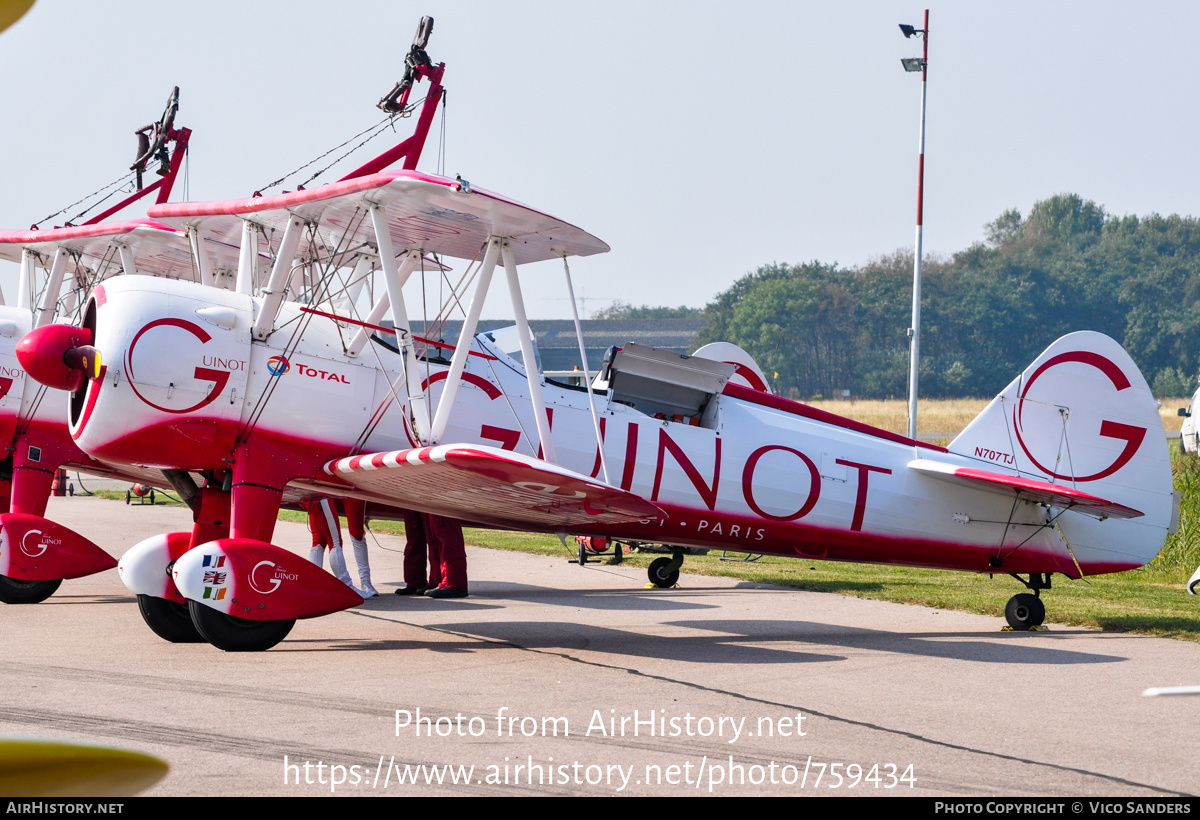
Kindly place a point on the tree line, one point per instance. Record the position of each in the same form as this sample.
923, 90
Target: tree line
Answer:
819, 329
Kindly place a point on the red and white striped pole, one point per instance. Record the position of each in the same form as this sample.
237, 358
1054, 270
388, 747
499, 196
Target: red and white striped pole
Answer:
914, 332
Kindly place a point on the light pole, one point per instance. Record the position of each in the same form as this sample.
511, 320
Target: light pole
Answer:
914, 332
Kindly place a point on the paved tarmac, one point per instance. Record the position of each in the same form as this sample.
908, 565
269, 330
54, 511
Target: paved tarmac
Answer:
559, 680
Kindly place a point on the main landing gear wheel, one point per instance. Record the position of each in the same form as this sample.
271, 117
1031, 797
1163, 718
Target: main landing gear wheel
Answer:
13, 591
168, 620
661, 575
1024, 612
237, 634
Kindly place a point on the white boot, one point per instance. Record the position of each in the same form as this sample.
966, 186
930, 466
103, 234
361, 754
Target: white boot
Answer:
364, 568
316, 555
1193, 581
337, 564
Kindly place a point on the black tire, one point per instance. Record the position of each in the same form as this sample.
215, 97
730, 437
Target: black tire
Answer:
13, 591
237, 634
168, 620
582, 553
659, 575
1024, 612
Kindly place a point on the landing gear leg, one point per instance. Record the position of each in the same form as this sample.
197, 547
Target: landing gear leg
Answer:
28, 492
1024, 611
664, 572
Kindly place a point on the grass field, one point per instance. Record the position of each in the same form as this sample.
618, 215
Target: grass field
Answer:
1150, 600
948, 415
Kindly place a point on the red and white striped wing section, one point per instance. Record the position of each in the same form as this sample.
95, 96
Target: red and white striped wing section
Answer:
426, 212
158, 249
1030, 489
491, 486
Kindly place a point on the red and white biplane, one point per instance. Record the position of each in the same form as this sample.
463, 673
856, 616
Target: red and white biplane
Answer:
58, 268
297, 384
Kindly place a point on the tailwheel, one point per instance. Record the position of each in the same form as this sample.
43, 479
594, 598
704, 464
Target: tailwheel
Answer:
168, 620
664, 572
237, 634
1024, 612
13, 591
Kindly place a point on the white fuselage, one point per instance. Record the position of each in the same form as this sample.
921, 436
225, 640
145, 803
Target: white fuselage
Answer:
184, 386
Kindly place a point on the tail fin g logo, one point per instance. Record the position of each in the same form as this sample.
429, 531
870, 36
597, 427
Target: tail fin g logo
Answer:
1130, 434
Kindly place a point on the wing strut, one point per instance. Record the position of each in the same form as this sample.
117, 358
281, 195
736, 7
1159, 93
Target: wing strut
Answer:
587, 374
394, 279
497, 246
200, 254
53, 287
466, 337
281, 274
247, 258
128, 265
364, 333
526, 338
25, 288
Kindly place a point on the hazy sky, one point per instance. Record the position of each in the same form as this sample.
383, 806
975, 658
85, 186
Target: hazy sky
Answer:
699, 140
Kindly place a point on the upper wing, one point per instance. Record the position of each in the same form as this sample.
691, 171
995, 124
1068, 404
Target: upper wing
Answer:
432, 213
490, 486
1028, 488
158, 249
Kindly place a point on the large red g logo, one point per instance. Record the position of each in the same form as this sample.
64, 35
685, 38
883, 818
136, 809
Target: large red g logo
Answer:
218, 377
1131, 435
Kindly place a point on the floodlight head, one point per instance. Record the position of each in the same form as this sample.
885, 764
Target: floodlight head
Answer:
912, 63
907, 31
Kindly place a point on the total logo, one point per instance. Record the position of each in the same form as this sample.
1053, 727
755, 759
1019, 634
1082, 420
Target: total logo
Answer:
279, 365
40, 545
271, 577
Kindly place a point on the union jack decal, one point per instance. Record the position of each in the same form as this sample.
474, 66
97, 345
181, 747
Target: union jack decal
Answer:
211, 576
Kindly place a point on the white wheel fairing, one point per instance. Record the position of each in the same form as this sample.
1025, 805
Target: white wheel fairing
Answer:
143, 567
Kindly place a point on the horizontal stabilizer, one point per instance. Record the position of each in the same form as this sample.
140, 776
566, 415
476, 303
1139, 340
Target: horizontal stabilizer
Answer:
1028, 488
490, 486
